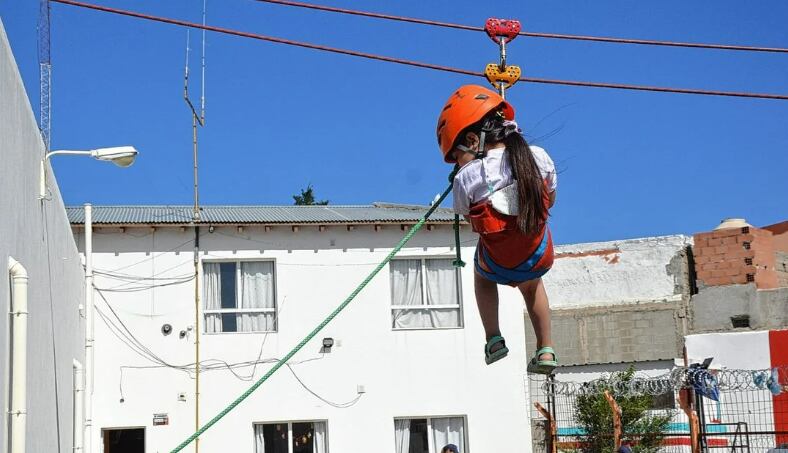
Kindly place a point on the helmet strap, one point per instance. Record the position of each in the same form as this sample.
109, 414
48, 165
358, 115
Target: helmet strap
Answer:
480, 153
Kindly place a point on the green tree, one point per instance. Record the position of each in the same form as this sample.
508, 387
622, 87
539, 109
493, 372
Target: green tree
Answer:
593, 414
307, 198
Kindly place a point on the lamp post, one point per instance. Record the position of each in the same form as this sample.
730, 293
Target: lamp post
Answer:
122, 156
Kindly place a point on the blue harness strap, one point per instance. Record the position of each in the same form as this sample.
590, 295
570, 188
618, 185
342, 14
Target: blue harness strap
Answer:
523, 272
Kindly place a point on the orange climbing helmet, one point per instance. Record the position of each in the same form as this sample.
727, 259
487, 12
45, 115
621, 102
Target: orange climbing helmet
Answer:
466, 106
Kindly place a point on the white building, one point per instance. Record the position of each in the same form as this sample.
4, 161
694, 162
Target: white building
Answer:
401, 373
42, 339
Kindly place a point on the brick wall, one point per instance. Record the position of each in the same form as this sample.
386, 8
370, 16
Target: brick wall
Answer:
735, 256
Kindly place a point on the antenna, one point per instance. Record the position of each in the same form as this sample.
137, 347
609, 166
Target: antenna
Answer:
45, 73
197, 120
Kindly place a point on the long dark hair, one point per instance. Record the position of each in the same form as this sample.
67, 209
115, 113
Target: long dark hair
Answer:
530, 185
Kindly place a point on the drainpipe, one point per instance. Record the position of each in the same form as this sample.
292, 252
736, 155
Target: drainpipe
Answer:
88, 440
18, 410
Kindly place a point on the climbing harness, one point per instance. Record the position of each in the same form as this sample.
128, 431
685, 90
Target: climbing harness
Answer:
283, 361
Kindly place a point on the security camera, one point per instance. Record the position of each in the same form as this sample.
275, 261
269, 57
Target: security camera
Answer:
166, 329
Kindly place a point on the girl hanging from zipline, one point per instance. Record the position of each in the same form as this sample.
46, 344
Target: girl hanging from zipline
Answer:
504, 188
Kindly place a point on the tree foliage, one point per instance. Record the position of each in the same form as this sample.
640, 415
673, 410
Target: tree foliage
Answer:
593, 414
307, 198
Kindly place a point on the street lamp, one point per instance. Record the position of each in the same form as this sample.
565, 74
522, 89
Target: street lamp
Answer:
122, 156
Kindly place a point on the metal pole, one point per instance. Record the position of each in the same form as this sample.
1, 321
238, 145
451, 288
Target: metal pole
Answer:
89, 326
196, 220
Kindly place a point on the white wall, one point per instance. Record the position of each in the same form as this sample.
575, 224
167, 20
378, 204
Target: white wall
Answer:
39, 237
615, 272
733, 350
406, 373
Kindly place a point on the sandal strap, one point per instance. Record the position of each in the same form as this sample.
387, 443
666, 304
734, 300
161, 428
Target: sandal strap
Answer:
493, 341
546, 350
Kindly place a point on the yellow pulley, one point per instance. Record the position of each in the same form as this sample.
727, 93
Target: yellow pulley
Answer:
499, 78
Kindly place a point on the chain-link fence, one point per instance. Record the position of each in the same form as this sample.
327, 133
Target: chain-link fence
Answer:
692, 410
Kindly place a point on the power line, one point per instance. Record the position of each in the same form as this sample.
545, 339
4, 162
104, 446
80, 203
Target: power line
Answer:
530, 34
416, 63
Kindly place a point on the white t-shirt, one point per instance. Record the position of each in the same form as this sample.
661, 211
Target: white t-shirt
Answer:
478, 179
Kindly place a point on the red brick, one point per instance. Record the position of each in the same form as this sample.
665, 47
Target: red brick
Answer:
718, 273
729, 240
717, 281
739, 279
761, 233
745, 238
701, 259
766, 280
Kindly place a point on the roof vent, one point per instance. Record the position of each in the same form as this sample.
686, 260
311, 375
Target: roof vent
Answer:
732, 223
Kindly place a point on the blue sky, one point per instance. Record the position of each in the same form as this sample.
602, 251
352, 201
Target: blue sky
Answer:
632, 164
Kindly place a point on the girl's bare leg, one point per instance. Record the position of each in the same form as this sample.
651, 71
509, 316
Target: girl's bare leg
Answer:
487, 301
539, 312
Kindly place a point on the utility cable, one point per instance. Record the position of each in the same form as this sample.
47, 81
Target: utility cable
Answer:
417, 63
529, 34
323, 323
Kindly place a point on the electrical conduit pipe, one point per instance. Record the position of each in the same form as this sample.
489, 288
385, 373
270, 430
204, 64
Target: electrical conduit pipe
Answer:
18, 410
89, 326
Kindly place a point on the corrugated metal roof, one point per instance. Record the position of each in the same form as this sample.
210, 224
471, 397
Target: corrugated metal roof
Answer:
180, 215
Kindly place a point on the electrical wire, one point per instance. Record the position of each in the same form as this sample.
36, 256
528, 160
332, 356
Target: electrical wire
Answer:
529, 34
127, 337
228, 31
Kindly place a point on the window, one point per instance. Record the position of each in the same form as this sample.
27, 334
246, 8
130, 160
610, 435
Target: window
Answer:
239, 296
123, 440
425, 294
291, 437
428, 435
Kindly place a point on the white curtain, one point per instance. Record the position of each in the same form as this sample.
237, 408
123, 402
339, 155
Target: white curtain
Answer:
406, 290
259, 439
402, 435
448, 431
319, 444
257, 291
442, 289
212, 296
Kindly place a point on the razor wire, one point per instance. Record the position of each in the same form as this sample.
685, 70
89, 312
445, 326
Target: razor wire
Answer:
680, 378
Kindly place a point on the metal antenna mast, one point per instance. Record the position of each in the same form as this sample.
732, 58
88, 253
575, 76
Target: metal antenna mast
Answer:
45, 72
197, 120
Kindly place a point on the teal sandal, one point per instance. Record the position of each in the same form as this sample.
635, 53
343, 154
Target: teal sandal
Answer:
498, 354
543, 366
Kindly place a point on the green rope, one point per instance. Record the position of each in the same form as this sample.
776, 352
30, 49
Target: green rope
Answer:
458, 262
320, 326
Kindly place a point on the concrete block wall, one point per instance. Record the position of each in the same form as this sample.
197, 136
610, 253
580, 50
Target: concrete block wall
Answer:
736, 256
624, 333
715, 308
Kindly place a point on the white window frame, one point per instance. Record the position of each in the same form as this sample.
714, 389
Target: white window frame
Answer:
459, 304
430, 436
238, 262
290, 431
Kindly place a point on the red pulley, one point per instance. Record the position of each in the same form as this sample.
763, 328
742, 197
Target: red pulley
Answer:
502, 28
